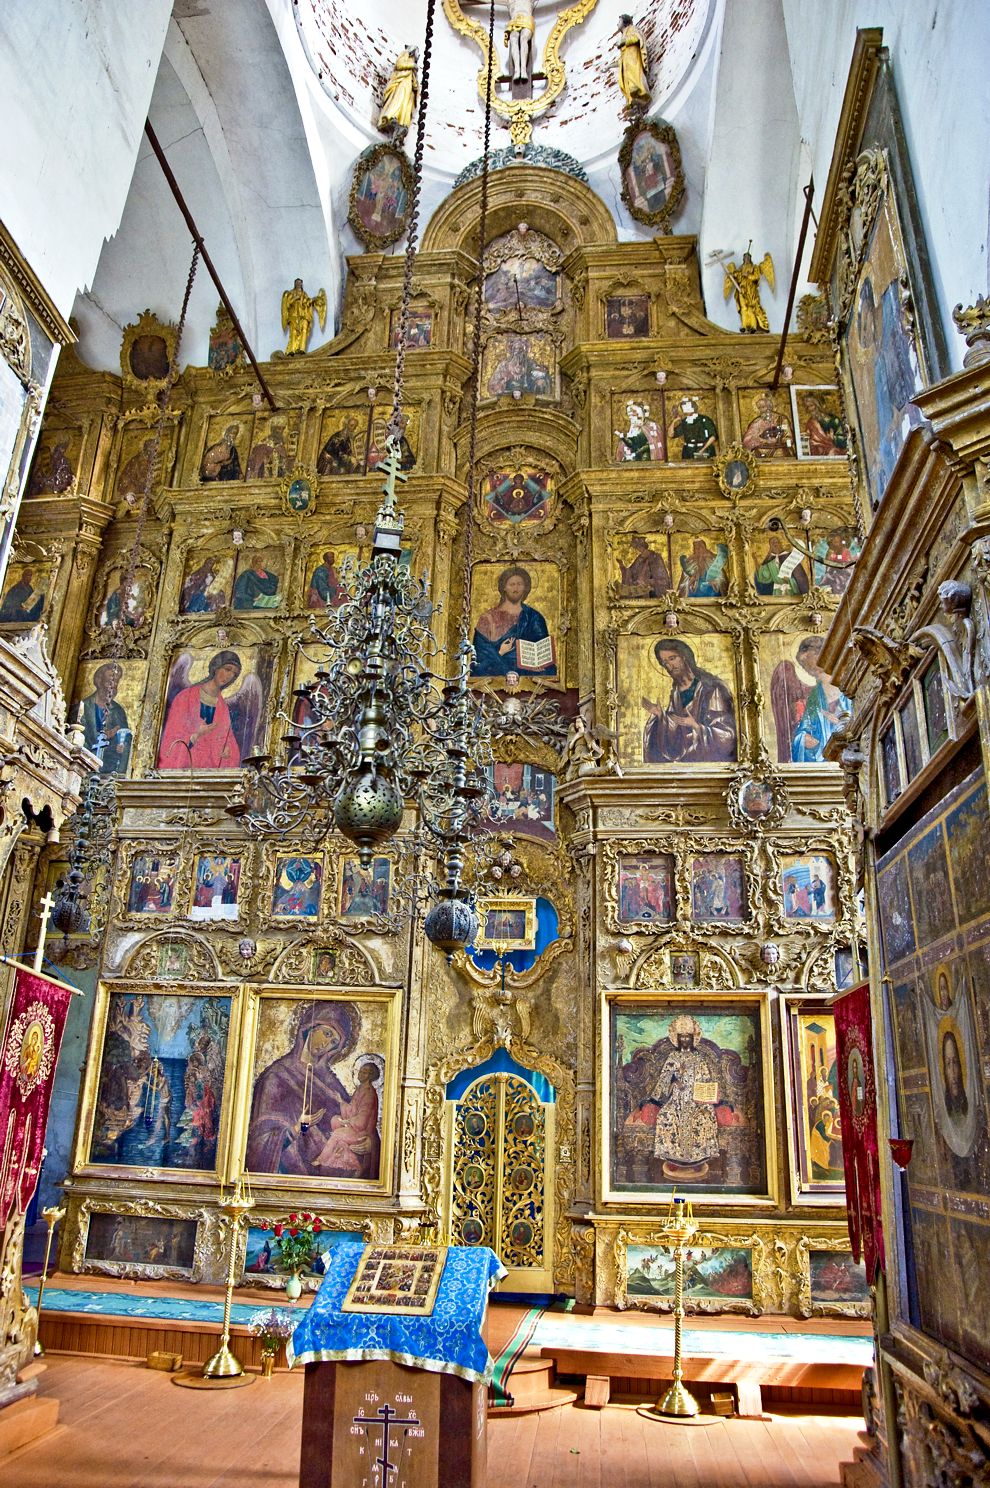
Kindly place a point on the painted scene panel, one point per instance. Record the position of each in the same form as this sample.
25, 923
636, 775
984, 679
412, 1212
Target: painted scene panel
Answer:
767, 429
638, 428
110, 698
687, 1099
642, 565
135, 1240
820, 423
712, 1273
215, 706
259, 579
807, 882
353, 440
216, 881
646, 889
381, 198
816, 1090
700, 564
524, 801
518, 495
207, 582
942, 1049
262, 1253
836, 1277
804, 708
419, 328
677, 704
692, 430
522, 281
151, 890
882, 355
228, 441
835, 550
111, 608
160, 1094
25, 593
318, 1089
718, 889
627, 317
519, 362
364, 891
297, 887
55, 460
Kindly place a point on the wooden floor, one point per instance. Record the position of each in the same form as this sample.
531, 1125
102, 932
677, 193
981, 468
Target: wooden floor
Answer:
125, 1426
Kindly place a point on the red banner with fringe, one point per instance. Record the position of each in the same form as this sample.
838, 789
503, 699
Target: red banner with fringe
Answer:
28, 1056
858, 1109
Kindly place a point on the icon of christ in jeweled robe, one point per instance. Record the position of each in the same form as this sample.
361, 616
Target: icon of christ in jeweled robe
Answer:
686, 1092
698, 723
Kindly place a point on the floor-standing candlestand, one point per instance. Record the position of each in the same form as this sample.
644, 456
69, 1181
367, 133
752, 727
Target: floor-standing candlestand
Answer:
51, 1216
224, 1367
678, 1404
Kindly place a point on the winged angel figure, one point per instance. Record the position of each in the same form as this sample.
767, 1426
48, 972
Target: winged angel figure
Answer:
744, 283
522, 107
297, 316
203, 730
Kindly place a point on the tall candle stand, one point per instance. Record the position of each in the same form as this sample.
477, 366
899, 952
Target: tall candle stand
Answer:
678, 1404
51, 1216
224, 1368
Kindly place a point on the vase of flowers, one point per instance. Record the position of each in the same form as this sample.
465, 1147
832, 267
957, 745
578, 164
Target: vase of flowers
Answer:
272, 1326
296, 1241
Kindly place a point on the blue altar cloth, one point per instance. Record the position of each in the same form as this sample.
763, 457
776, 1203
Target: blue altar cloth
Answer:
449, 1341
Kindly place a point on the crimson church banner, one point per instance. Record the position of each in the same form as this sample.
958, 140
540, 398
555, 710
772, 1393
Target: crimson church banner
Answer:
858, 1109
28, 1056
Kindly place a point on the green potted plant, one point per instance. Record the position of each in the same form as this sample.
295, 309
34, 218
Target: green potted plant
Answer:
296, 1241
272, 1326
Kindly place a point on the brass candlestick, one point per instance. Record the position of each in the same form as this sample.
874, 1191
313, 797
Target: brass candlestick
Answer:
51, 1216
678, 1404
224, 1365
224, 1368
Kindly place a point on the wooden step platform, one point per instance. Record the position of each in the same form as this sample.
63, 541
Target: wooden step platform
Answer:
533, 1388
112, 1336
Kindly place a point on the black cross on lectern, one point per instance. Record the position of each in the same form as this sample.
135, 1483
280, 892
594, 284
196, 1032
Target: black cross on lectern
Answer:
386, 1420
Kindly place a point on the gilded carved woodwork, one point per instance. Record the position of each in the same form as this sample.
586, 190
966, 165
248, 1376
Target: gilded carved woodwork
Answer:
574, 541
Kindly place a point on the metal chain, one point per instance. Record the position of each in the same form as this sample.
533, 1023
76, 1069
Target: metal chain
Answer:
476, 348
395, 422
127, 582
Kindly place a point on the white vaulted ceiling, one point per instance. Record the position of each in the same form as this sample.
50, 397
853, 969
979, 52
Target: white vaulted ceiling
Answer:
350, 49
264, 106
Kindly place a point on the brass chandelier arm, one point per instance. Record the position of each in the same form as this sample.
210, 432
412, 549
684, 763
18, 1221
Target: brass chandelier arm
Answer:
777, 524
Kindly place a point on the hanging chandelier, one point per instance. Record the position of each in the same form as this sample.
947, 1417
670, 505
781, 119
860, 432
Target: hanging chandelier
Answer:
387, 724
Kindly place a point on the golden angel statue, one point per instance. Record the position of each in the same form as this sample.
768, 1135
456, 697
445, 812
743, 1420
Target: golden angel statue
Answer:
633, 75
744, 283
399, 99
297, 316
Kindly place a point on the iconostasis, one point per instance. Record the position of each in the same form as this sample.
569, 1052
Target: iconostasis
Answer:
659, 534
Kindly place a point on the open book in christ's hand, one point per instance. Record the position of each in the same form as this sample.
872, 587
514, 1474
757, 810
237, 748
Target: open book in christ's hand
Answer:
534, 656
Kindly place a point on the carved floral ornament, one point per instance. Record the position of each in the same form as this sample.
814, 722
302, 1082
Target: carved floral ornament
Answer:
861, 195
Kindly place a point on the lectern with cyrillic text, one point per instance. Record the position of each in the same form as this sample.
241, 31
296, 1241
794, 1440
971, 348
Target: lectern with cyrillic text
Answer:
397, 1369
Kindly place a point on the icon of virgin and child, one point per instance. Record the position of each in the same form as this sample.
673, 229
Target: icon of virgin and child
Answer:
202, 730
513, 636
304, 1120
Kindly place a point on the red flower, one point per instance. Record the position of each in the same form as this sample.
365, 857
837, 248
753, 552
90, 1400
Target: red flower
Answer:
317, 1227
265, 1224
293, 1232
279, 1230
293, 1218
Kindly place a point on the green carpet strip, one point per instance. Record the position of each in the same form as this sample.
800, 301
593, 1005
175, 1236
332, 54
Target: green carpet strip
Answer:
510, 1356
